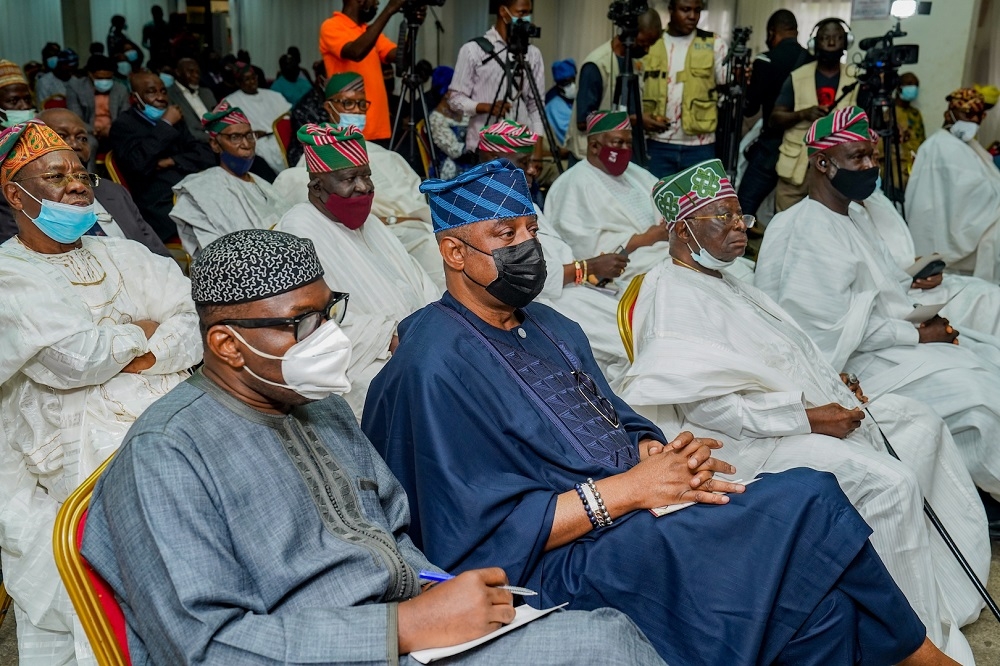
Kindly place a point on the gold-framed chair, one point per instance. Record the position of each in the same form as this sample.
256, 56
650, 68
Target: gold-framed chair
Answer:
626, 307
423, 145
6, 601
113, 171
282, 128
92, 598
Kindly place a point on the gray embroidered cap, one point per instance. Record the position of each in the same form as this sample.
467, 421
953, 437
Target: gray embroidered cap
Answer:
252, 264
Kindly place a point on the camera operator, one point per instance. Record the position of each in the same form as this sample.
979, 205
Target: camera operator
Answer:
599, 78
770, 69
808, 94
352, 41
681, 74
481, 69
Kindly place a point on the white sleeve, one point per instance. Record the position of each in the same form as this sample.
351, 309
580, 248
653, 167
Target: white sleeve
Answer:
751, 415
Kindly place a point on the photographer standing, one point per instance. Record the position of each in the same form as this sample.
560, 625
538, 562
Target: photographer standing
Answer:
352, 41
485, 65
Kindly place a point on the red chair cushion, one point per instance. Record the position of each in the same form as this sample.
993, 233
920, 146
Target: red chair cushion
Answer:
283, 128
106, 597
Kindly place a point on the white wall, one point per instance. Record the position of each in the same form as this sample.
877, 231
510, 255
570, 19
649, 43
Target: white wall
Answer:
25, 27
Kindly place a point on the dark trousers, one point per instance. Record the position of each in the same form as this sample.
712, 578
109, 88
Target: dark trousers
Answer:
760, 178
666, 159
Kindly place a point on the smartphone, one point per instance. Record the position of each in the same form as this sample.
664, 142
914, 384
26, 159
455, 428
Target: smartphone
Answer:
619, 250
936, 267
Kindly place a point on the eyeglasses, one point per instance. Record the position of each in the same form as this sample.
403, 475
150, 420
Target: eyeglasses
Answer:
351, 104
588, 389
246, 137
61, 180
305, 324
731, 218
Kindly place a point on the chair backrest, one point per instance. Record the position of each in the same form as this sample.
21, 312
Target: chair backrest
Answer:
92, 598
113, 170
282, 128
57, 101
626, 307
423, 141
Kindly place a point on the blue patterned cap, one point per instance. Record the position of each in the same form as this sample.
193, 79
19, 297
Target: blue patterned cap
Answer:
492, 191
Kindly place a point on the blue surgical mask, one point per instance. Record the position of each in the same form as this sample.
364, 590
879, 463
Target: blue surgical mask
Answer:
238, 165
17, 116
152, 112
704, 258
51, 62
61, 222
909, 93
104, 85
124, 67
356, 119
167, 80
132, 55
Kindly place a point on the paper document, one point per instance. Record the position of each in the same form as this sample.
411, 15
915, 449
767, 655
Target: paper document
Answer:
664, 510
922, 313
522, 615
922, 262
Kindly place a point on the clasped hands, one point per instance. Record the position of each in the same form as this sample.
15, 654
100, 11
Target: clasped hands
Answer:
681, 471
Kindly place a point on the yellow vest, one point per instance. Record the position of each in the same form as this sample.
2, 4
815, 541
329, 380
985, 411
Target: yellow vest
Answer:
699, 100
606, 61
793, 159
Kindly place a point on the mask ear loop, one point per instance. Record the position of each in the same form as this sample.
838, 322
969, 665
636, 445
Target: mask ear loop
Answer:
33, 199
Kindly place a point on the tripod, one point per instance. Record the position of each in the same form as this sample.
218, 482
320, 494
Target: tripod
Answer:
627, 94
730, 126
411, 95
515, 69
883, 119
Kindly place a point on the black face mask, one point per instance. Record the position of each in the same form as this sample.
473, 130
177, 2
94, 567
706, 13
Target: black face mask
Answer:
828, 58
520, 273
855, 185
368, 14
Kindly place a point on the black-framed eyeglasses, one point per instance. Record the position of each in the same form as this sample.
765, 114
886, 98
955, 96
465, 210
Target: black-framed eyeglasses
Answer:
588, 389
61, 180
351, 104
236, 138
731, 218
305, 324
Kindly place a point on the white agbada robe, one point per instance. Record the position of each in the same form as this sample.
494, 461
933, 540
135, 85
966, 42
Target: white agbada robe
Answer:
397, 192
833, 275
972, 302
65, 405
214, 203
262, 110
953, 205
597, 213
386, 285
595, 310
720, 358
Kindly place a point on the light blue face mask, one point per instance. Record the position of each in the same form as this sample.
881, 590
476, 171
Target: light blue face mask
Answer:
167, 79
356, 119
124, 67
704, 258
909, 93
17, 116
153, 113
104, 85
51, 62
63, 223
132, 55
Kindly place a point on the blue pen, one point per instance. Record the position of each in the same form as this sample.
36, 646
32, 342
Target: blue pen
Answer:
436, 577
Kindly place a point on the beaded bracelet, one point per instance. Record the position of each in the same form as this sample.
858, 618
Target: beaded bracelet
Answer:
586, 273
603, 516
586, 506
579, 272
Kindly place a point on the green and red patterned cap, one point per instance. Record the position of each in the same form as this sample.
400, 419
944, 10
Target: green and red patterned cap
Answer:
682, 195
330, 148
508, 137
222, 116
846, 125
344, 82
607, 121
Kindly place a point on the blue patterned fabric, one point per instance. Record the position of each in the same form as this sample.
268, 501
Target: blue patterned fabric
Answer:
492, 191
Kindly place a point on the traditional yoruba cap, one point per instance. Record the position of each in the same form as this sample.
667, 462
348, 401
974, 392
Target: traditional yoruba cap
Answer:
563, 69
23, 143
222, 116
242, 68
968, 100
846, 125
507, 136
252, 264
441, 79
330, 148
10, 74
344, 82
494, 190
607, 121
991, 94
681, 195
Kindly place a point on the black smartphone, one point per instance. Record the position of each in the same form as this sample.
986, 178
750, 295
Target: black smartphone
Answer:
936, 267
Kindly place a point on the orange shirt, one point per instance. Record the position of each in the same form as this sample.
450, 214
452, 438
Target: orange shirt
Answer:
340, 30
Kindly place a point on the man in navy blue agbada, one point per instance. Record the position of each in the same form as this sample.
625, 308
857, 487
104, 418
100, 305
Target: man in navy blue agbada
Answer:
514, 451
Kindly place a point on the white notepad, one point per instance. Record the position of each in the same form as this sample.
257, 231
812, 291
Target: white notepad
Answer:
922, 313
523, 615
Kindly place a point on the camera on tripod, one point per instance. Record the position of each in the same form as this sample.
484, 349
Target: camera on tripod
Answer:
519, 35
625, 13
411, 7
878, 71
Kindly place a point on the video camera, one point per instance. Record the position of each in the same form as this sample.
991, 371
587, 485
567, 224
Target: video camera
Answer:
880, 52
519, 34
411, 7
625, 13
878, 71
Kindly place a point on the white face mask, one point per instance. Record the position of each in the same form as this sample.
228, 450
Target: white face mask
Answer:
965, 130
569, 92
15, 116
315, 367
704, 258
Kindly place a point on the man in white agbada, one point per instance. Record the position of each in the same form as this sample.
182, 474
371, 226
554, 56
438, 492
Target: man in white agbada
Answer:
570, 285
262, 107
228, 197
953, 195
93, 330
718, 357
829, 270
602, 204
359, 254
398, 201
